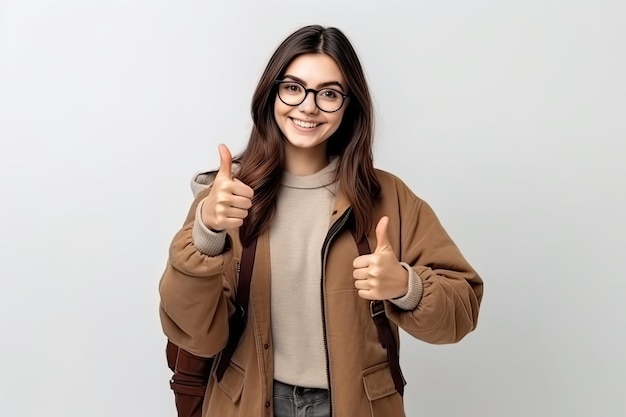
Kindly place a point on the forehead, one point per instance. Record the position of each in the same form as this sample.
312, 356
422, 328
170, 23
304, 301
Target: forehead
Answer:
315, 69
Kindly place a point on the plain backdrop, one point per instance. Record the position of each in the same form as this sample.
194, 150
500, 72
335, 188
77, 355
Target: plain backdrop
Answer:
508, 117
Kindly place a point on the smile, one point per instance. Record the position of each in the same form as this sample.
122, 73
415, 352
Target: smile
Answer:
305, 125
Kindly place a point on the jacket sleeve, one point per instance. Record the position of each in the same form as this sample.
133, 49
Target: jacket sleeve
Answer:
452, 290
196, 293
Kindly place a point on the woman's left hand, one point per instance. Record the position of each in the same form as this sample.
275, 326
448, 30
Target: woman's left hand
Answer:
379, 275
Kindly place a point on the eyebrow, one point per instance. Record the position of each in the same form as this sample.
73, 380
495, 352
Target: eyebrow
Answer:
322, 85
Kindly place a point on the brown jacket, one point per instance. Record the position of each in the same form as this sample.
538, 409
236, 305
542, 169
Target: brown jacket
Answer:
197, 291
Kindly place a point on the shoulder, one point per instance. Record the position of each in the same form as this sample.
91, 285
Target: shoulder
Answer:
392, 184
387, 177
203, 180
397, 197
387, 180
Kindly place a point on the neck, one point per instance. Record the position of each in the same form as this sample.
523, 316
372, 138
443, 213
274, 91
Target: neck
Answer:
304, 161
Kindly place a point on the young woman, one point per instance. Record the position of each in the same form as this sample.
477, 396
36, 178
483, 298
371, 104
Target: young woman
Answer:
344, 254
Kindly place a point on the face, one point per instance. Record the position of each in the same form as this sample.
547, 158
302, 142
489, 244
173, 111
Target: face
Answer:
306, 127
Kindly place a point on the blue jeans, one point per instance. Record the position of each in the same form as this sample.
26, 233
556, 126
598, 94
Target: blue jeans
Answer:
290, 401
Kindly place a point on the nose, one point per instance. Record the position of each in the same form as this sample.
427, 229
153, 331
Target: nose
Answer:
308, 105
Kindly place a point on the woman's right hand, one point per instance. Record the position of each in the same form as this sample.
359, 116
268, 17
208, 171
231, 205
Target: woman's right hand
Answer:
229, 199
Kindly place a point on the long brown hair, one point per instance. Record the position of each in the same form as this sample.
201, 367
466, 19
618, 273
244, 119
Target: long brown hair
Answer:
262, 162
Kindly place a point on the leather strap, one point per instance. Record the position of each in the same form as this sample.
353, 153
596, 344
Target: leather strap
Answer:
385, 335
189, 379
237, 321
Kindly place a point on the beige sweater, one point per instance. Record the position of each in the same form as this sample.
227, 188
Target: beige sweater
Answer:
296, 237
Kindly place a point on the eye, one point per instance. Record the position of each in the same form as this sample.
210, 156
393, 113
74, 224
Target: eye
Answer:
291, 88
329, 94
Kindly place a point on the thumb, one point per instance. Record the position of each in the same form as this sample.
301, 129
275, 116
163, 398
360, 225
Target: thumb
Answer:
226, 161
382, 241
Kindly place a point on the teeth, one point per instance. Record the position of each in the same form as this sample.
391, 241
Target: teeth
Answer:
306, 125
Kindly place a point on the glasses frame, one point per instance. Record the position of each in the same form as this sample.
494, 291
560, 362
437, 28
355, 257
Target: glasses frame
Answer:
311, 90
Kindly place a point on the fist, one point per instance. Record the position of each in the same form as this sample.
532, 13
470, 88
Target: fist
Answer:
379, 275
229, 200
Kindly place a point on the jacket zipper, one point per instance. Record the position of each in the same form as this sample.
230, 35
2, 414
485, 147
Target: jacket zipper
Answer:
332, 232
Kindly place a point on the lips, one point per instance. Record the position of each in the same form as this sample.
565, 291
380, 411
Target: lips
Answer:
305, 125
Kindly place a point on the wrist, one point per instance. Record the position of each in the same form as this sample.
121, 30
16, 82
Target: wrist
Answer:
205, 219
415, 290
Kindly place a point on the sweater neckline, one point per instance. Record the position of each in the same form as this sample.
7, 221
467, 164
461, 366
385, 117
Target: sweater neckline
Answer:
321, 178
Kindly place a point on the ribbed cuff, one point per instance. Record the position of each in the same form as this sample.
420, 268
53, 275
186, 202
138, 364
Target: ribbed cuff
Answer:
414, 294
205, 240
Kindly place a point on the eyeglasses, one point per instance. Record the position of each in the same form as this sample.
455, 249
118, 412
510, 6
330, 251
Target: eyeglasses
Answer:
293, 93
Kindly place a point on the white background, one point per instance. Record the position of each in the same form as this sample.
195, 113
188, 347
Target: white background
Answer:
508, 117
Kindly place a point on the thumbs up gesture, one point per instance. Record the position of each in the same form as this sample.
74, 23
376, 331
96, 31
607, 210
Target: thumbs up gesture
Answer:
229, 199
379, 275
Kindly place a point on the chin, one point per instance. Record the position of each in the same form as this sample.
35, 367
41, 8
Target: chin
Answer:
305, 144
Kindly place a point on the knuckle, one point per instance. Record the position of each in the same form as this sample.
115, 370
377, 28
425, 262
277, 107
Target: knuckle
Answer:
223, 187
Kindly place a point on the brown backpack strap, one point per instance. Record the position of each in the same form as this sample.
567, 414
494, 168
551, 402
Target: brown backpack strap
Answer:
237, 321
385, 335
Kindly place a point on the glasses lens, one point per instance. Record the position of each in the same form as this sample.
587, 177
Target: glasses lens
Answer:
329, 100
294, 93
291, 93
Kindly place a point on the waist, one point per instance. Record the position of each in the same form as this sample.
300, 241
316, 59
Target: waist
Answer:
287, 390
